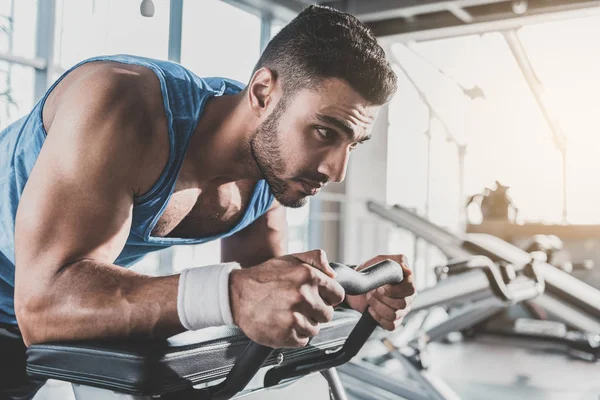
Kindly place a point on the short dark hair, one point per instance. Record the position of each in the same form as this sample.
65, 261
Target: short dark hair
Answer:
325, 43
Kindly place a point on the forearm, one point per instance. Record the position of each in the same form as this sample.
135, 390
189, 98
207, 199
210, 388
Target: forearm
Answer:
89, 300
264, 239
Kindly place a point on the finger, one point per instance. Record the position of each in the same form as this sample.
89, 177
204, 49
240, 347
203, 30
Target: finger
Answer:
406, 269
403, 260
394, 304
304, 327
318, 260
384, 310
329, 289
332, 293
399, 258
314, 307
320, 313
404, 289
371, 261
385, 324
295, 340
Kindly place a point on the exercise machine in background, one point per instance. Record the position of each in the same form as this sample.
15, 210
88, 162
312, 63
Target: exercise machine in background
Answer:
492, 294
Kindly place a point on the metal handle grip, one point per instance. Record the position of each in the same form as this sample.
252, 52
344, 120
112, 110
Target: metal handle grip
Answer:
255, 355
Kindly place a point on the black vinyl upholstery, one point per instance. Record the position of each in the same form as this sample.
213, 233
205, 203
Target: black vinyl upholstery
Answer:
154, 367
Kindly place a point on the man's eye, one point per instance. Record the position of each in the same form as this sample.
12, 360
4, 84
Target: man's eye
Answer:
324, 133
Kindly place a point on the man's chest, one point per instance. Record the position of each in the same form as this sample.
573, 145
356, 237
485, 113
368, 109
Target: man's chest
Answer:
196, 213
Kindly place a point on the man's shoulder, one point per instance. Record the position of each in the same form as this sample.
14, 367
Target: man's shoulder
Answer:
117, 110
107, 85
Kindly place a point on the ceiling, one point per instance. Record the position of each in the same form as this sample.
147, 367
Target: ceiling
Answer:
427, 19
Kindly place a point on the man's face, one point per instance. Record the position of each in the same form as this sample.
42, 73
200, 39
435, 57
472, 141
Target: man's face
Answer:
306, 140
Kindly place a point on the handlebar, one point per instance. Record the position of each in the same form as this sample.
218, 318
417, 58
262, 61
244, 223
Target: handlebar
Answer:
255, 355
506, 291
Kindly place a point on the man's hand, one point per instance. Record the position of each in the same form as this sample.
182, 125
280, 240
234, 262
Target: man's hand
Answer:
390, 303
280, 302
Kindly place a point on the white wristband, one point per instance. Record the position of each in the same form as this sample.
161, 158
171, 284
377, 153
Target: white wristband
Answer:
203, 296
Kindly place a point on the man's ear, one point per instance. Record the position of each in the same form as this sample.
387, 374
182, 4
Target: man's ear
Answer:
261, 90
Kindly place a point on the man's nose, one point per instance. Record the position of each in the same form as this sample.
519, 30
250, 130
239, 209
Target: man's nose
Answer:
335, 165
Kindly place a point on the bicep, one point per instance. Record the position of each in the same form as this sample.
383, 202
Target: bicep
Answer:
264, 239
65, 215
78, 200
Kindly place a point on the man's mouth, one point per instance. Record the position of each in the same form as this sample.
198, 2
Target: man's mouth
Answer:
310, 188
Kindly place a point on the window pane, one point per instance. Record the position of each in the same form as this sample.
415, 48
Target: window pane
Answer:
444, 197
418, 142
18, 27
16, 92
407, 146
235, 52
87, 28
566, 58
507, 137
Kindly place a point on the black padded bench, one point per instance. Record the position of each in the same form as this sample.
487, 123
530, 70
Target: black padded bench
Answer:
159, 367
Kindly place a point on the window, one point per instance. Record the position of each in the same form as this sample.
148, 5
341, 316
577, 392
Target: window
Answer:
16, 92
87, 28
476, 88
408, 121
18, 27
566, 59
235, 52
422, 140
17, 37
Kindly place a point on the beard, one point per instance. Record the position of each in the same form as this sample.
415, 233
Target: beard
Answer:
266, 151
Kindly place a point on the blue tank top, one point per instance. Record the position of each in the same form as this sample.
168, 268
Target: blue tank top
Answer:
184, 96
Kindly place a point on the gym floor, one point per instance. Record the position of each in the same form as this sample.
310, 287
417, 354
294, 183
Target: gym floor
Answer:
53, 390
499, 369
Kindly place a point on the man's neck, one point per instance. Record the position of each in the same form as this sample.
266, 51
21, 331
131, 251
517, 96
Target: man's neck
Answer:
219, 149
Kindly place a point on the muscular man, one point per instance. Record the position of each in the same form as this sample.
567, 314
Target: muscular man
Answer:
127, 155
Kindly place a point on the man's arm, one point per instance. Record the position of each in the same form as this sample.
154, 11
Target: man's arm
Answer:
74, 217
262, 240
